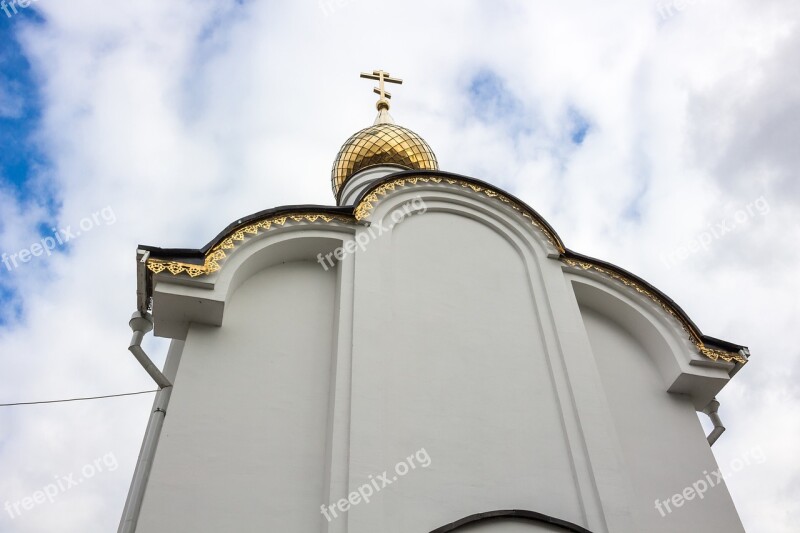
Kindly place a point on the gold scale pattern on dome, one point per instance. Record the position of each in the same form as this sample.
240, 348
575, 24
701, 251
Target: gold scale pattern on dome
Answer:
384, 143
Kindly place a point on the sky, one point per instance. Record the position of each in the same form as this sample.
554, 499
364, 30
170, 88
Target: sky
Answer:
659, 136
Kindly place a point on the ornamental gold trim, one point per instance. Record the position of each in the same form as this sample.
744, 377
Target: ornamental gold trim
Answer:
369, 202
692, 335
237, 237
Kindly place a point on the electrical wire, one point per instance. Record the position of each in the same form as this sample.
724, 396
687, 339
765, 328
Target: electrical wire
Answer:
79, 399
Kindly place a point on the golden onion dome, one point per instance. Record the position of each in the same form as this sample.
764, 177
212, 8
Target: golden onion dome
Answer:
384, 143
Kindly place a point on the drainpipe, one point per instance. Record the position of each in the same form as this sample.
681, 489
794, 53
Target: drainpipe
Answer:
142, 324
133, 505
719, 429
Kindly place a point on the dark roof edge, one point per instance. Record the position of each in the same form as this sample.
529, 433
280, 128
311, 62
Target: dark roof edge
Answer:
518, 514
708, 340
200, 253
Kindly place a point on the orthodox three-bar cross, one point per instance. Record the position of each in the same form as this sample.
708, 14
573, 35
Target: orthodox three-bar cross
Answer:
382, 77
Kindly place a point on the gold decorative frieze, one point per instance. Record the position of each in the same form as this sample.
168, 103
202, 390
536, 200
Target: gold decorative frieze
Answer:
693, 335
238, 236
371, 200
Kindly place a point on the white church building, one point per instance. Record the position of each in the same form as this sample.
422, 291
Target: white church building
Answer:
425, 356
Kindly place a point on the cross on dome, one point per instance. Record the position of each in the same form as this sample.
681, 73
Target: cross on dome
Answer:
381, 77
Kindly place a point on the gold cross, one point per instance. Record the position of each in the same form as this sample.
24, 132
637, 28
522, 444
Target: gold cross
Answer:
381, 77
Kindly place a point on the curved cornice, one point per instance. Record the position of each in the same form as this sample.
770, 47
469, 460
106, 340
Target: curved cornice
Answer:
530, 516
724, 351
372, 195
207, 260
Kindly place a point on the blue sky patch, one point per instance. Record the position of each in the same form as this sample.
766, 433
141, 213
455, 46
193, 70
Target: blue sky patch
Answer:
21, 160
491, 101
579, 126
643, 174
10, 304
20, 112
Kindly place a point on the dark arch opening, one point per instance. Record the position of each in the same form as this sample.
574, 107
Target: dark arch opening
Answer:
516, 513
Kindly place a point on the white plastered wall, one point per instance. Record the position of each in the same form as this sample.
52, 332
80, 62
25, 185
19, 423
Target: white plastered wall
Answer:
458, 331
245, 442
664, 447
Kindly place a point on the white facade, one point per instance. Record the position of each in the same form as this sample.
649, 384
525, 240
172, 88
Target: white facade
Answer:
461, 340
